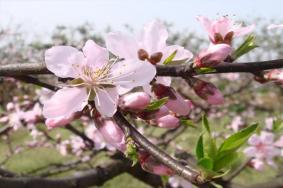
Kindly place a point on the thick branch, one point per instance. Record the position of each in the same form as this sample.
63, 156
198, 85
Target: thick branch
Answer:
96, 176
186, 172
21, 69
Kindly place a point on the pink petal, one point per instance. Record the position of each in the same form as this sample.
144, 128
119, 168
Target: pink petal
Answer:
65, 102
153, 37
96, 56
218, 52
250, 151
164, 80
267, 138
222, 26
106, 101
59, 121
178, 104
279, 142
275, 26
181, 55
132, 73
60, 60
122, 46
240, 31
135, 101
169, 121
254, 140
207, 24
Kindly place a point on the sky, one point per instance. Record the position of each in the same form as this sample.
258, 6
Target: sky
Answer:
41, 16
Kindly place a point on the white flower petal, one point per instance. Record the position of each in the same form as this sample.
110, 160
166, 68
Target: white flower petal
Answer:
96, 56
122, 45
132, 73
65, 102
153, 37
106, 101
60, 60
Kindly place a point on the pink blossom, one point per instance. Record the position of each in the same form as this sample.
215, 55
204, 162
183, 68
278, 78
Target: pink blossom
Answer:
162, 111
134, 101
33, 115
177, 181
223, 30
150, 45
150, 164
169, 121
237, 123
269, 123
111, 133
93, 74
176, 102
262, 147
213, 55
207, 91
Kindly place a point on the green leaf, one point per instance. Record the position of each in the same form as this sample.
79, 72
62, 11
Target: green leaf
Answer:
187, 122
277, 125
155, 105
204, 70
225, 160
131, 151
238, 139
206, 163
245, 47
169, 59
205, 124
200, 148
210, 146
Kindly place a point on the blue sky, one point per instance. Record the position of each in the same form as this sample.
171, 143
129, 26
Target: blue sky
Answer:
41, 16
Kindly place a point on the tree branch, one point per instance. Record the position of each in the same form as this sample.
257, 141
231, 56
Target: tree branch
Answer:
21, 69
96, 176
184, 171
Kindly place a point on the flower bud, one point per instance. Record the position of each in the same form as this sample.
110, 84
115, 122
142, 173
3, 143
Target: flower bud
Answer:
134, 101
274, 75
151, 165
207, 91
111, 133
10, 106
212, 56
169, 121
176, 103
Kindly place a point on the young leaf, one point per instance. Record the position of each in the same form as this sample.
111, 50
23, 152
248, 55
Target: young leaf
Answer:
225, 160
169, 59
247, 46
238, 139
206, 163
199, 148
187, 122
131, 151
277, 125
155, 105
205, 124
204, 70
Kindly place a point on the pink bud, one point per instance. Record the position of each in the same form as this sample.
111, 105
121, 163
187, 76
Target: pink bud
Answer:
60, 121
207, 91
111, 133
212, 56
274, 75
176, 103
151, 165
134, 101
10, 106
168, 121
162, 111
